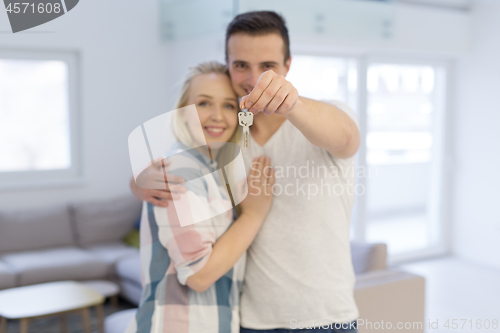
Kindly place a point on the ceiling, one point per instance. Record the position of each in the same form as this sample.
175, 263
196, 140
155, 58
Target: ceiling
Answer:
454, 4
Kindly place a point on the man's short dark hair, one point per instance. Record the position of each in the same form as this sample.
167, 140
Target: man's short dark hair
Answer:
260, 23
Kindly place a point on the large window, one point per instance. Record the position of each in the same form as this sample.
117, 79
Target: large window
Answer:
38, 132
403, 143
401, 111
325, 78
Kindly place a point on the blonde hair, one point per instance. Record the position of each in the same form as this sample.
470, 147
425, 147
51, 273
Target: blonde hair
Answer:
181, 131
179, 127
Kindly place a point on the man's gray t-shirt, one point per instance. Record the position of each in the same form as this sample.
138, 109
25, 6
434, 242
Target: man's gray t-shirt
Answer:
299, 266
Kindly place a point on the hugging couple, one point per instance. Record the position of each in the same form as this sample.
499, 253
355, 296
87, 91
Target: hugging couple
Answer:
281, 261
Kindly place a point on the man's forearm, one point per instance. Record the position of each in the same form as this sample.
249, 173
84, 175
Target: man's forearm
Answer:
325, 126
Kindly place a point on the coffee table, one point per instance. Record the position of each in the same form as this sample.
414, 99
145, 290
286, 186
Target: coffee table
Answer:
105, 288
47, 299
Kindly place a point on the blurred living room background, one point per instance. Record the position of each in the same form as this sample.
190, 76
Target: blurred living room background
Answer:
422, 75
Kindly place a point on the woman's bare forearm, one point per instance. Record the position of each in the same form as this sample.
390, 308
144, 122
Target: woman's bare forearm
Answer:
226, 251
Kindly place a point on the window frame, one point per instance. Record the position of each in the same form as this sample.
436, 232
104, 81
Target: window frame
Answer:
441, 171
52, 178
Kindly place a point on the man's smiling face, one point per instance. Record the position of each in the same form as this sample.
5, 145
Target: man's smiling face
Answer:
249, 56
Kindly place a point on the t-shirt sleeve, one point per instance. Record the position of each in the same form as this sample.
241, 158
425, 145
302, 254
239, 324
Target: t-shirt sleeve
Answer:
347, 109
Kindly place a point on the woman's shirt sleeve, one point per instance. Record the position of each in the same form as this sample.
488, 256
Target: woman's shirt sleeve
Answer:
189, 245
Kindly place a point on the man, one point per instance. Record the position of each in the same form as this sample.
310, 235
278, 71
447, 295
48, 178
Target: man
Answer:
299, 272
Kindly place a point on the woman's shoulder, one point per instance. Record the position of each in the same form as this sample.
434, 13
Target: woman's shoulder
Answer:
189, 164
183, 159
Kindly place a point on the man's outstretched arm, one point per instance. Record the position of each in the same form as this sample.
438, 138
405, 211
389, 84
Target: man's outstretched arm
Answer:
325, 126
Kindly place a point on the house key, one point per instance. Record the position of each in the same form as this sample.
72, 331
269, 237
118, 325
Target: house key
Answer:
245, 118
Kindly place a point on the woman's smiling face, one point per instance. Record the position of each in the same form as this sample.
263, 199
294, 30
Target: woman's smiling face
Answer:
217, 107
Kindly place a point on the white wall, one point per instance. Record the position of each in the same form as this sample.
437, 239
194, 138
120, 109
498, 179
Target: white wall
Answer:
125, 81
476, 212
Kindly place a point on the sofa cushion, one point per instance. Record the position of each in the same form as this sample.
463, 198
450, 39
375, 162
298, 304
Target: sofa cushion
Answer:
110, 253
7, 276
129, 268
32, 229
65, 263
368, 256
105, 221
133, 238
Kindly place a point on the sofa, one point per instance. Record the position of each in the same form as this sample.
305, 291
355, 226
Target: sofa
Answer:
84, 241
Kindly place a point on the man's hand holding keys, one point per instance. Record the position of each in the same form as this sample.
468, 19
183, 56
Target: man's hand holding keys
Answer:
272, 94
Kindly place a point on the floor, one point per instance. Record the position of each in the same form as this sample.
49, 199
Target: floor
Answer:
74, 321
455, 289
458, 289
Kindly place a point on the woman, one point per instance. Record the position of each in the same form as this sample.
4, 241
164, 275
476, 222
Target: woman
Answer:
192, 268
